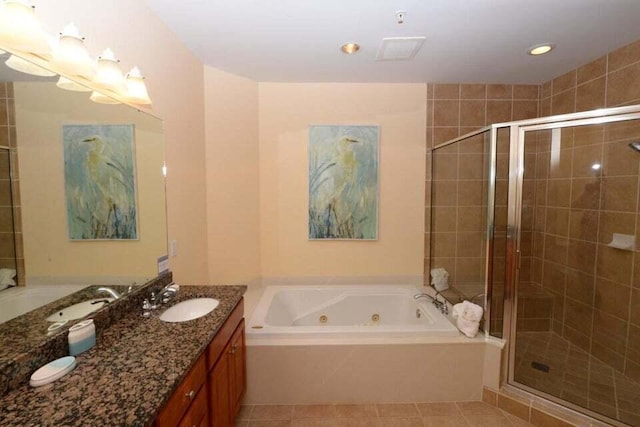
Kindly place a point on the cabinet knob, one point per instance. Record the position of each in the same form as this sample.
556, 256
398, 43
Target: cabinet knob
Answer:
233, 349
191, 394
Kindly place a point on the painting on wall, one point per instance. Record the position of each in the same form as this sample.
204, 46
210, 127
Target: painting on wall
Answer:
343, 182
99, 179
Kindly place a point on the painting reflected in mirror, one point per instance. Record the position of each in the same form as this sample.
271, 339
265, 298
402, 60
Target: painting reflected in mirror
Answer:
82, 198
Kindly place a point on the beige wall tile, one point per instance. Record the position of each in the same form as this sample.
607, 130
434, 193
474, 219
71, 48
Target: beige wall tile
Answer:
470, 193
472, 113
624, 56
446, 91
555, 248
272, 412
439, 409
499, 91
619, 159
444, 134
471, 166
444, 193
591, 95
592, 70
525, 110
473, 91
443, 245
585, 193
584, 224
498, 111
614, 264
615, 222
513, 406
581, 255
564, 82
580, 286
557, 221
446, 113
526, 92
444, 218
622, 85
558, 192
445, 166
564, 102
545, 89
619, 193
612, 298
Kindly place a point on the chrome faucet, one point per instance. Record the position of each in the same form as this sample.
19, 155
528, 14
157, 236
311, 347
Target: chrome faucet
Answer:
440, 305
114, 294
155, 300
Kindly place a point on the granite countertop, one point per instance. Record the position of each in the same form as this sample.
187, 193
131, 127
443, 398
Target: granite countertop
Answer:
129, 375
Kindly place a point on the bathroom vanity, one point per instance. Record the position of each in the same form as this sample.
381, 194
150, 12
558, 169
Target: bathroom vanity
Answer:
210, 393
147, 372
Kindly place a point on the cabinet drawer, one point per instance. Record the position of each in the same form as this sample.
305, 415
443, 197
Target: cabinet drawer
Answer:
184, 395
224, 335
197, 411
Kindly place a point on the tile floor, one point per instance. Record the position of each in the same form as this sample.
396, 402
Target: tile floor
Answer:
442, 414
576, 376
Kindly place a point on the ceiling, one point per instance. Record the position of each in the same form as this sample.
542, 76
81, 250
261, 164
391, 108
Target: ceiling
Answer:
467, 41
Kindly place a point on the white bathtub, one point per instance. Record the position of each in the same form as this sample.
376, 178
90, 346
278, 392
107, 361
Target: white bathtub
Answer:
20, 300
366, 311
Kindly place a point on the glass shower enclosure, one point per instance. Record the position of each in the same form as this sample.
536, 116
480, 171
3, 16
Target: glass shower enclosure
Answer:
539, 220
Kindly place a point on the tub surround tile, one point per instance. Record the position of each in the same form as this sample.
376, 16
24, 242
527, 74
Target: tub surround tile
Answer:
130, 374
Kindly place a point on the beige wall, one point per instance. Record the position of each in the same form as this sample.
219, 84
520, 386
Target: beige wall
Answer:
285, 112
41, 110
231, 111
175, 81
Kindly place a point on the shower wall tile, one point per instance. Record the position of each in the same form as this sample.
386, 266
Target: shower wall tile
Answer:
624, 56
591, 95
592, 70
622, 85
564, 102
499, 91
473, 91
446, 91
564, 82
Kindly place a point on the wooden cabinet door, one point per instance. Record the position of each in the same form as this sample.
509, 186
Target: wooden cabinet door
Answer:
219, 398
237, 369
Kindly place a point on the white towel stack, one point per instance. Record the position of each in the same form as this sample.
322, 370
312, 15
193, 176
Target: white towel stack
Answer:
468, 316
440, 279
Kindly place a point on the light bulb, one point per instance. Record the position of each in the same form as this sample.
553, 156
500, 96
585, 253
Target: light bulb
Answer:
136, 89
71, 55
108, 73
20, 29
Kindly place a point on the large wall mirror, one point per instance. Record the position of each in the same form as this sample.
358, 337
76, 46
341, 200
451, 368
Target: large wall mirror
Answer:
82, 195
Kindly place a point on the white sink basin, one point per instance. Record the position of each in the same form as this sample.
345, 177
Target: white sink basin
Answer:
79, 310
189, 310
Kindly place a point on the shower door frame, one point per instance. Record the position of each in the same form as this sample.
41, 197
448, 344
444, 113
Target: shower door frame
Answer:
518, 132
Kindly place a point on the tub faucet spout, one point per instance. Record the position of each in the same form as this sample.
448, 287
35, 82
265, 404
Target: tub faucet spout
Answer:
109, 291
440, 305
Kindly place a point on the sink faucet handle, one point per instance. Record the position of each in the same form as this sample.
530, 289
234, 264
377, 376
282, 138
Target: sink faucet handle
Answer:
146, 308
153, 300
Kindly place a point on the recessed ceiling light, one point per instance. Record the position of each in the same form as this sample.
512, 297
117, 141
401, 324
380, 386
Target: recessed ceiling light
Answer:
540, 49
350, 48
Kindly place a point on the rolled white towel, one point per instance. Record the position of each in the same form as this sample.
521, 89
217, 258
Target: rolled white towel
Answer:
6, 277
468, 327
468, 316
440, 279
471, 311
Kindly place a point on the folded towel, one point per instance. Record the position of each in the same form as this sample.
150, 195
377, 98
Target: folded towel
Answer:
468, 316
467, 327
440, 279
6, 277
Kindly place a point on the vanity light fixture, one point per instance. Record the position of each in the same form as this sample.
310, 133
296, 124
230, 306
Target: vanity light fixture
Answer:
20, 29
136, 89
71, 55
102, 99
108, 73
350, 48
24, 66
67, 84
541, 49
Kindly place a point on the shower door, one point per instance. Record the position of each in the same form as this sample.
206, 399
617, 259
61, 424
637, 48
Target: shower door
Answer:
575, 324
7, 233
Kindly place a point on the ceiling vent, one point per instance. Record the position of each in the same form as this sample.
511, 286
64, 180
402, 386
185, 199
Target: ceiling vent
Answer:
399, 48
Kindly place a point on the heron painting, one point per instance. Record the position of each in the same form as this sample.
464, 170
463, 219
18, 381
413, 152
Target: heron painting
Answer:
100, 186
343, 182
